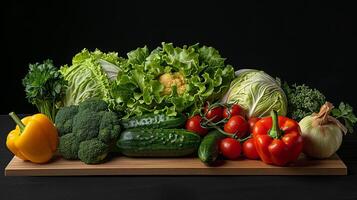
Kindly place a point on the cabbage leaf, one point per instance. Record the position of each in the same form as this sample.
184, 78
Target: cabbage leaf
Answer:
90, 76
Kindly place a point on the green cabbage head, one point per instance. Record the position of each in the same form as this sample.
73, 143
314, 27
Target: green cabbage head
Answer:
90, 76
257, 92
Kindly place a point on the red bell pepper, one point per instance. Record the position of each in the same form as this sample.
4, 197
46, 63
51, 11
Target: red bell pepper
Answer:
277, 139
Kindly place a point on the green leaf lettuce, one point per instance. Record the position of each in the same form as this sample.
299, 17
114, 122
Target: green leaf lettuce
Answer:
169, 80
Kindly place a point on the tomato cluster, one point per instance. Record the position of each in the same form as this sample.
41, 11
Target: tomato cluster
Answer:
235, 126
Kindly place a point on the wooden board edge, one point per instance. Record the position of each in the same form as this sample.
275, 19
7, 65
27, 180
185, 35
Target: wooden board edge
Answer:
7, 168
291, 171
175, 172
344, 166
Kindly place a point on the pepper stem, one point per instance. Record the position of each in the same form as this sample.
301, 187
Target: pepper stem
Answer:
275, 132
17, 121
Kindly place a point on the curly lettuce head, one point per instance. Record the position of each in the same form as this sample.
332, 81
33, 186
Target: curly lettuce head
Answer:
89, 76
170, 80
257, 92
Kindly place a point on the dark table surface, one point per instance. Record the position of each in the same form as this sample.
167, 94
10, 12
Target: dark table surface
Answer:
180, 187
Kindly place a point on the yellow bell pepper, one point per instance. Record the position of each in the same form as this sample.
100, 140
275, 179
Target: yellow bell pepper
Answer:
35, 138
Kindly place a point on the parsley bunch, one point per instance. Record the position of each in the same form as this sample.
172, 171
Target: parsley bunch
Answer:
45, 87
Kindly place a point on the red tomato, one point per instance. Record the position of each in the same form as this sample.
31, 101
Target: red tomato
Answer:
215, 113
193, 124
234, 110
230, 148
252, 122
249, 150
236, 125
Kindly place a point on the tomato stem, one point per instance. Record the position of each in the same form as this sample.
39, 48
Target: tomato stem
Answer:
208, 123
17, 121
275, 132
245, 139
223, 132
234, 136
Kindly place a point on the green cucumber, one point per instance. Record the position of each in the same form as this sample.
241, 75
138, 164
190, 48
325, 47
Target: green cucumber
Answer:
208, 150
154, 121
147, 142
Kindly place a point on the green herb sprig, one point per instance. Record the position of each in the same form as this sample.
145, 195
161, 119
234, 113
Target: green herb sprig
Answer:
45, 87
345, 112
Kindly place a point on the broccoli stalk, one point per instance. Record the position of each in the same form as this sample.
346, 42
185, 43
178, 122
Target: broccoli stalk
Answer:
44, 87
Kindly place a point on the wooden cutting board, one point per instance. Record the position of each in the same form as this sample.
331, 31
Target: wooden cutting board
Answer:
173, 166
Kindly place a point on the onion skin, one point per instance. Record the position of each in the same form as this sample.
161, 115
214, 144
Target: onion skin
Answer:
320, 141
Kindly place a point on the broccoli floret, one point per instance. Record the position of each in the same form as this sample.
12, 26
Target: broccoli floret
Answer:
64, 119
109, 129
94, 105
302, 100
68, 146
92, 151
88, 131
86, 124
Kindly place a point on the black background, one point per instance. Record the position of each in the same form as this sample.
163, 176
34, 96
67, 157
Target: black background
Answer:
304, 42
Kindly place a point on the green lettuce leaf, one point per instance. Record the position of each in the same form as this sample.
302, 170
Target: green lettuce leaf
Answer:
138, 89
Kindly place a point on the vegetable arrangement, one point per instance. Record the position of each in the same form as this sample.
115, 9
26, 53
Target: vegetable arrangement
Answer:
172, 102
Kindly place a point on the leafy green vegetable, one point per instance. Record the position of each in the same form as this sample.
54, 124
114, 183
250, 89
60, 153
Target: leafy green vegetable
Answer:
302, 100
45, 87
90, 76
345, 112
169, 80
257, 92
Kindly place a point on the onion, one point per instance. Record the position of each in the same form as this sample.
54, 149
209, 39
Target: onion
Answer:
322, 133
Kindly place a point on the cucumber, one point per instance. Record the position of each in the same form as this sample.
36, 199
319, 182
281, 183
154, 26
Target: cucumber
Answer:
154, 121
147, 142
208, 150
